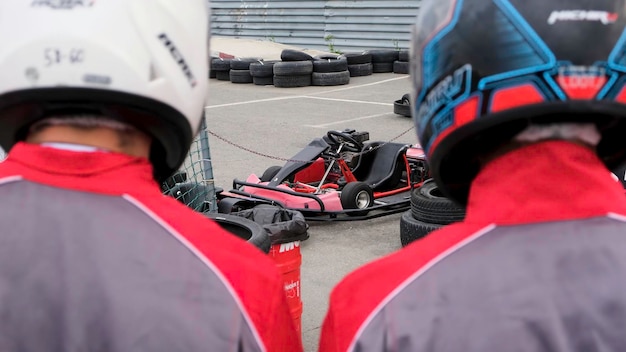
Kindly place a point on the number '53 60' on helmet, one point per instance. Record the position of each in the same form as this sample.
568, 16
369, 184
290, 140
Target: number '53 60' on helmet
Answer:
483, 70
144, 62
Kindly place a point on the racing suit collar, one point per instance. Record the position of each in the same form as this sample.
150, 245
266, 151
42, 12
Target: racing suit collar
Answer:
547, 181
76, 163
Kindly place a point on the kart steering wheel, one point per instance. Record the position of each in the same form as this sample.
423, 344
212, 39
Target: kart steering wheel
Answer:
349, 143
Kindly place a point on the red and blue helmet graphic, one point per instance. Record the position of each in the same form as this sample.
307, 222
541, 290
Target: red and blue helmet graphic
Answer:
484, 69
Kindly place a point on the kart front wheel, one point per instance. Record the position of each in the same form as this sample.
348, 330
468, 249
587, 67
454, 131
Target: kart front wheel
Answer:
357, 195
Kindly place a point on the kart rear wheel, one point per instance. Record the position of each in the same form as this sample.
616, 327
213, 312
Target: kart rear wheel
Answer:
357, 195
269, 174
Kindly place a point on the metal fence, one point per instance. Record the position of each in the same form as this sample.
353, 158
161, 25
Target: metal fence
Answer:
194, 184
336, 26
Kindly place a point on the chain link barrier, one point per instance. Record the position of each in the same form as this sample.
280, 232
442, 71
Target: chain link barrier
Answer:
241, 147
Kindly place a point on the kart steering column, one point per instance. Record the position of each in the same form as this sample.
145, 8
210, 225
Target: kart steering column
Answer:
330, 166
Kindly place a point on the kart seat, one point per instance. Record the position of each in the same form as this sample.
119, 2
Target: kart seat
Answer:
382, 167
299, 161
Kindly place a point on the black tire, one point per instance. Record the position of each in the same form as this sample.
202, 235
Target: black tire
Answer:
293, 81
383, 55
429, 205
412, 229
193, 195
211, 71
358, 70
403, 55
294, 55
222, 75
403, 106
357, 58
292, 68
269, 173
382, 67
262, 68
330, 65
243, 63
263, 81
243, 228
240, 76
401, 67
326, 56
330, 78
220, 64
357, 195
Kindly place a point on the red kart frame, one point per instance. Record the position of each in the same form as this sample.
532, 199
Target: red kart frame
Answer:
336, 177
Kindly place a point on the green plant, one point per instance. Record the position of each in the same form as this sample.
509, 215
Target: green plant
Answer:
396, 44
271, 38
329, 39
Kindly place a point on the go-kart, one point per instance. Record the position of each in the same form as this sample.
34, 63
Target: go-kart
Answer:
336, 175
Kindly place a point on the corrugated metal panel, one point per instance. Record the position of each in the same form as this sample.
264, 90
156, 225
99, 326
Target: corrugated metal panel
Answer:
323, 25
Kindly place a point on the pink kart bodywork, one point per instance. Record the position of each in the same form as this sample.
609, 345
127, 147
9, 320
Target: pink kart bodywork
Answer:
320, 181
328, 196
415, 152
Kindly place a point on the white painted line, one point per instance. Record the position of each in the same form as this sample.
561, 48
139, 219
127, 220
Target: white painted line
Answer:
252, 102
348, 120
350, 101
312, 96
362, 85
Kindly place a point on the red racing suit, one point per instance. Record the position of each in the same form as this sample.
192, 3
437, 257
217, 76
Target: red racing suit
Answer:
538, 264
94, 258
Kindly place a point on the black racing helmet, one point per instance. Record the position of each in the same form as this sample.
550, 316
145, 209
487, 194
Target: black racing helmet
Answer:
483, 70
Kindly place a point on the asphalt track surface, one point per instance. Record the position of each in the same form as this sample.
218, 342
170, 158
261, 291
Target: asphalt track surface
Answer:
253, 127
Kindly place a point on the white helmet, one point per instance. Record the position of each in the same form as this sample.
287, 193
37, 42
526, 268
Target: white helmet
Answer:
144, 62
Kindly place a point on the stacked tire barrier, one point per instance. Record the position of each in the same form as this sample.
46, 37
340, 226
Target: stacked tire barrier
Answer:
402, 64
240, 69
383, 60
359, 63
211, 70
299, 69
330, 71
262, 72
294, 69
430, 210
290, 74
221, 67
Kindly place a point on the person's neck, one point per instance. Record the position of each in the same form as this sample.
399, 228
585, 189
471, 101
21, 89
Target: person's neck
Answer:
131, 143
544, 181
